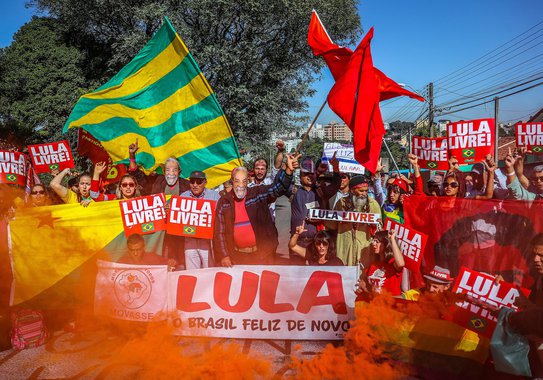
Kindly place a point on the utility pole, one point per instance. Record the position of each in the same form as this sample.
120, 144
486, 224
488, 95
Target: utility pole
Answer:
497, 134
431, 108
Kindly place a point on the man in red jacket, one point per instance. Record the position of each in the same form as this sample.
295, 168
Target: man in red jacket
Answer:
244, 230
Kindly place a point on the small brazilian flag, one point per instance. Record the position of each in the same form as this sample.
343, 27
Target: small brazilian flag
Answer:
432, 165
53, 166
11, 177
537, 149
478, 323
468, 153
162, 99
148, 227
189, 230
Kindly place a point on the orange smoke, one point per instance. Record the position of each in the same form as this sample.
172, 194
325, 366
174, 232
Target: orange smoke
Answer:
369, 350
157, 354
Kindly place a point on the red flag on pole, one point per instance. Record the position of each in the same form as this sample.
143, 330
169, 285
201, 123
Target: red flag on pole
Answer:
356, 79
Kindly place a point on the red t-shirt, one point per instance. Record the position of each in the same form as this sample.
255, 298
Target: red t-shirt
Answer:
385, 276
244, 235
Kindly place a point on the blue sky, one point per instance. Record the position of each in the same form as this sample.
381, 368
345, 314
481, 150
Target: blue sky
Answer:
416, 42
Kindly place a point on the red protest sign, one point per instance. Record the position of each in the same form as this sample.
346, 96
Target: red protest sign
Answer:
191, 217
143, 215
530, 135
432, 152
411, 243
487, 296
51, 156
470, 141
88, 146
12, 168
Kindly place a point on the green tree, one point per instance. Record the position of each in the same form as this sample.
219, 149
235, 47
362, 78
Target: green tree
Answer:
254, 52
40, 81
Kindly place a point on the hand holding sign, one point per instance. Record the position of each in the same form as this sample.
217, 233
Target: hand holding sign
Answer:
489, 163
453, 164
280, 145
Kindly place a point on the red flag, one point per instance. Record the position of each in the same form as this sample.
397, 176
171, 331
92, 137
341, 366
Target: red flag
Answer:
355, 98
336, 57
356, 79
390, 89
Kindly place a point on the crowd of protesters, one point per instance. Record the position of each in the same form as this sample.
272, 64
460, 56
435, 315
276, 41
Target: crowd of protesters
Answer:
246, 234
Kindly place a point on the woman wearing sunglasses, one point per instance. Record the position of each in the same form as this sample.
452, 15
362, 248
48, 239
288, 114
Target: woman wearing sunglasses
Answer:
128, 186
38, 196
454, 183
320, 252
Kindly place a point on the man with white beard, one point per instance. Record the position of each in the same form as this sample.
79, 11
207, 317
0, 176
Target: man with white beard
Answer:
245, 233
353, 239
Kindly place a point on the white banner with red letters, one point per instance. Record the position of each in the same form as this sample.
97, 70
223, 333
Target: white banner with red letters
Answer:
131, 292
470, 141
411, 243
344, 216
530, 135
51, 156
263, 302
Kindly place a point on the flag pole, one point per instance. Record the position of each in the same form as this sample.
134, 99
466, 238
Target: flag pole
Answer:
310, 127
391, 157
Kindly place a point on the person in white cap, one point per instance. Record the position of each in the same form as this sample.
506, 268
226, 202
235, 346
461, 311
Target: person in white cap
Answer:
439, 280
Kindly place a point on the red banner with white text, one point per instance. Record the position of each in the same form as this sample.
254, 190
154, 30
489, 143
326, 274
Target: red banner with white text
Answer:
51, 156
12, 168
411, 243
432, 152
143, 215
191, 217
484, 295
470, 141
530, 135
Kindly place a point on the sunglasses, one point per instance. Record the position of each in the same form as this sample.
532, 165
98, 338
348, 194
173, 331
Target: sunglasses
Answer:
128, 184
454, 185
537, 179
324, 243
36, 192
197, 181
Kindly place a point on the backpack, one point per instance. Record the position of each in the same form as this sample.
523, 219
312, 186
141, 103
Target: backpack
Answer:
28, 329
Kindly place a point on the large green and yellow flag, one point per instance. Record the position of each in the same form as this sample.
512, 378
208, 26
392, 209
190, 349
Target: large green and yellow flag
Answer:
162, 99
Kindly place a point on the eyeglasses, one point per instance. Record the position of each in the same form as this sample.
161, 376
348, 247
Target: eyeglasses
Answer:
537, 179
36, 192
197, 181
128, 184
324, 243
454, 185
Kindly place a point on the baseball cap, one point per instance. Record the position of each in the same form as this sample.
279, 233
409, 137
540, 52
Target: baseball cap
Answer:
197, 174
307, 165
402, 184
358, 181
439, 275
